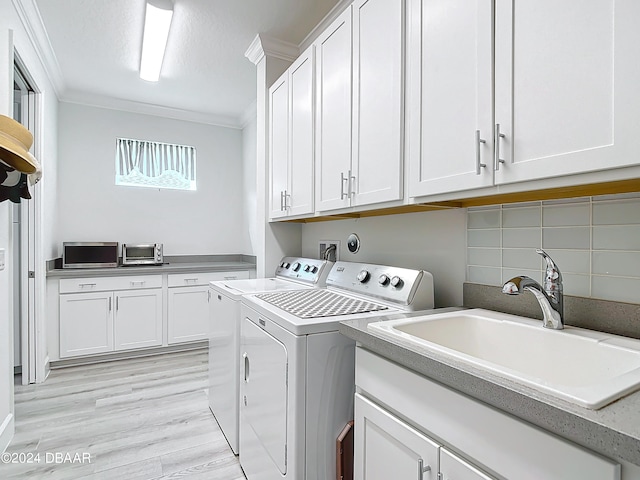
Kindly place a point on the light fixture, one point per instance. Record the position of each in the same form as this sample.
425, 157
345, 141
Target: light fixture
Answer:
157, 21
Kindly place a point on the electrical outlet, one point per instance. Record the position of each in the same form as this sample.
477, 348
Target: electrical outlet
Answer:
334, 254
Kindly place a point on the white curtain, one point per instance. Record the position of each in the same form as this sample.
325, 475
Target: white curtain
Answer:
155, 164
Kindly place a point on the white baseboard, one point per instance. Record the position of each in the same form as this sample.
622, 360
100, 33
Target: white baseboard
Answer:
7, 430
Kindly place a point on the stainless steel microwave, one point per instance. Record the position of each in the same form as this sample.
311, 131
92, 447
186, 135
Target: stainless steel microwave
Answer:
142, 254
89, 254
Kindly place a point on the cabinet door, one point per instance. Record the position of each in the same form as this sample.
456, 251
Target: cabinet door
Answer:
301, 135
138, 318
386, 447
450, 102
278, 145
378, 99
188, 314
86, 323
566, 87
453, 467
333, 126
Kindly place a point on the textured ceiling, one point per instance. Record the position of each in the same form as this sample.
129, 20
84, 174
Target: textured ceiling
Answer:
97, 45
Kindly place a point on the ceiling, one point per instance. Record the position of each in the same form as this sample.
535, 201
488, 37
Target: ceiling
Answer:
205, 74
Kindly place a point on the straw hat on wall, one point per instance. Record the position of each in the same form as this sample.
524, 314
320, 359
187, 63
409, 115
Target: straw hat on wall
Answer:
15, 142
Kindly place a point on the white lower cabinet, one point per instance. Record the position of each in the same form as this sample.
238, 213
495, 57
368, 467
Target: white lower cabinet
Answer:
138, 319
106, 314
188, 304
386, 447
399, 440
86, 323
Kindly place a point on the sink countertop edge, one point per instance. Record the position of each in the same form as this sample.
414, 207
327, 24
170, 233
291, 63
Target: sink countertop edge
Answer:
610, 431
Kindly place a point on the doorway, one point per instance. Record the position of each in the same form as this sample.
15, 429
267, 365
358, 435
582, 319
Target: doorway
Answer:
25, 111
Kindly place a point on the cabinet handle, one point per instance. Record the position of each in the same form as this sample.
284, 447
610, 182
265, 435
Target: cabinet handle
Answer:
287, 205
117, 303
208, 295
498, 136
479, 163
82, 285
342, 180
352, 183
109, 303
137, 282
246, 367
281, 200
187, 280
422, 469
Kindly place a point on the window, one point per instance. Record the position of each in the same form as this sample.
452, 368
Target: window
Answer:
153, 164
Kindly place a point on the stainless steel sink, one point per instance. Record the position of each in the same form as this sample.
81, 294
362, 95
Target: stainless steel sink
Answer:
581, 366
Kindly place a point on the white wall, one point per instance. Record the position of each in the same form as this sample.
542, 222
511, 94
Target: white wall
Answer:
13, 34
93, 208
432, 241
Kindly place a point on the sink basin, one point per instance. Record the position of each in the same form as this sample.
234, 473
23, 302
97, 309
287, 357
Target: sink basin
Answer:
584, 367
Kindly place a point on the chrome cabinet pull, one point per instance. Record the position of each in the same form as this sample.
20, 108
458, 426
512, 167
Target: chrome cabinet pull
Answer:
422, 469
109, 303
281, 200
208, 295
117, 303
498, 137
187, 280
352, 183
246, 367
342, 180
137, 282
479, 164
287, 205
82, 285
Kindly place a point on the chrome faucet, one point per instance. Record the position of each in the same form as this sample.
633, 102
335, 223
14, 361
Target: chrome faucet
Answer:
549, 297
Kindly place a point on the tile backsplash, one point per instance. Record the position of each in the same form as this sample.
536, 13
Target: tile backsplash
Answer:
595, 241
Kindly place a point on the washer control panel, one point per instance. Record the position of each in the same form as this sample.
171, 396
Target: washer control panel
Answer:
306, 270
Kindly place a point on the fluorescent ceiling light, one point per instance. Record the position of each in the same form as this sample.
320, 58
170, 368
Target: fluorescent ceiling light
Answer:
154, 42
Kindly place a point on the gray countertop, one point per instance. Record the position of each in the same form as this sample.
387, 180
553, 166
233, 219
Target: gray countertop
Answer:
185, 264
613, 431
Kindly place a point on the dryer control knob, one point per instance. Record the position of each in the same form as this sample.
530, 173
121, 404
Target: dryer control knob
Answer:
314, 269
363, 276
396, 282
383, 279
296, 266
307, 268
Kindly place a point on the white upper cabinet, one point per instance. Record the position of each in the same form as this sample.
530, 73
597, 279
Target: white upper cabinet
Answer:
291, 147
279, 144
300, 200
333, 100
450, 106
360, 98
566, 85
378, 89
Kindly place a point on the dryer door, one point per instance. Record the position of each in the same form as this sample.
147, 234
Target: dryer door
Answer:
264, 375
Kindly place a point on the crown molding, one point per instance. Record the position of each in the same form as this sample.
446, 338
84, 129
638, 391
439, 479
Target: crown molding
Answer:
263, 45
118, 104
31, 19
328, 19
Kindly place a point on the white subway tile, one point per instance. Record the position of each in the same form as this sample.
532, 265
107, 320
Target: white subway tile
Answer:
484, 275
616, 238
521, 237
521, 217
622, 212
521, 258
571, 261
616, 288
483, 238
566, 215
577, 285
623, 264
483, 219
487, 257
576, 238
509, 273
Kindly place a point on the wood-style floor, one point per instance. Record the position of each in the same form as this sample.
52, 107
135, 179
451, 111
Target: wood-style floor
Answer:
139, 419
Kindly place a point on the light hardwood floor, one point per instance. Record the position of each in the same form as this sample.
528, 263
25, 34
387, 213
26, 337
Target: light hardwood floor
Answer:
138, 419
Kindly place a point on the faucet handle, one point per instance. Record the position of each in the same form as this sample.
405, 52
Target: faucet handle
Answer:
552, 272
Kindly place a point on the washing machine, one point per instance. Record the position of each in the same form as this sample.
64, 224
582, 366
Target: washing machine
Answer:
297, 371
292, 273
